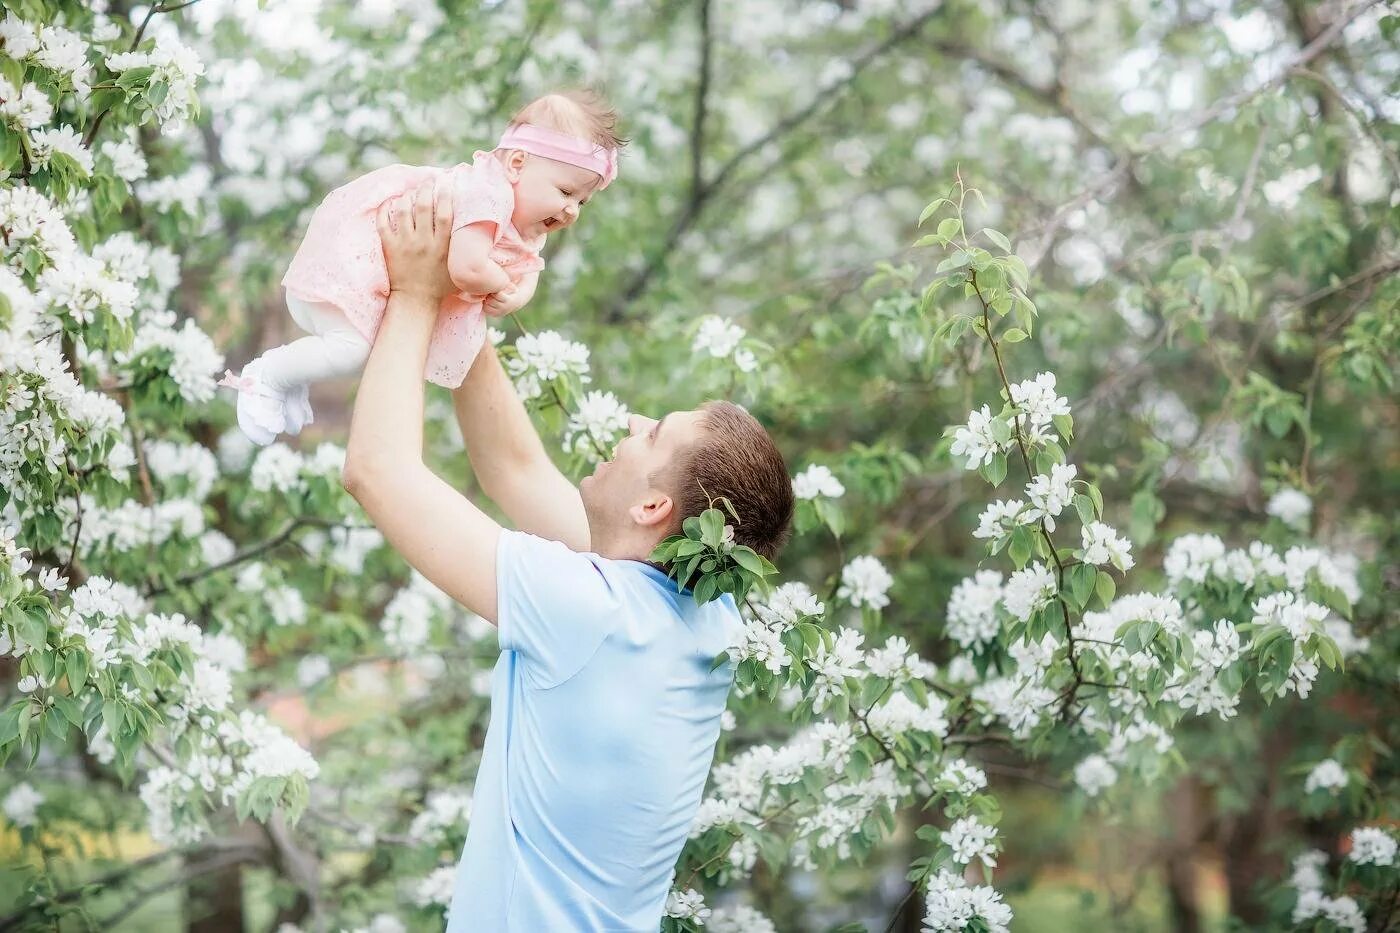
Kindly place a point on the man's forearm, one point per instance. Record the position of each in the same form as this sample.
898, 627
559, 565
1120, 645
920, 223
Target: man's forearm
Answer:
509, 459
500, 438
387, 422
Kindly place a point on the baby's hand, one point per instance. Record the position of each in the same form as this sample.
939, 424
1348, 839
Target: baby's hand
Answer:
504, 302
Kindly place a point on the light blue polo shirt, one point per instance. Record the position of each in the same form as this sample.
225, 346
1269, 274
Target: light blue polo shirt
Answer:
604, 717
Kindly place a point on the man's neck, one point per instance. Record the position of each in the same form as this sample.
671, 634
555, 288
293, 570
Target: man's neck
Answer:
625, 547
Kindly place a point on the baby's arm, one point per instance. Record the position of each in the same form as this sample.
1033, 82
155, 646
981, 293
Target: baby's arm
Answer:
469, 261
513, 299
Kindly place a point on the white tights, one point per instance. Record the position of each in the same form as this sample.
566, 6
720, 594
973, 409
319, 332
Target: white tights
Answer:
335, 348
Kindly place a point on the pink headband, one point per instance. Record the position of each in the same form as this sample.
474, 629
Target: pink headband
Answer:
562, 148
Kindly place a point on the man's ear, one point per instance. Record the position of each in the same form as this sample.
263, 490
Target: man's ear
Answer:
652, 511
515, 164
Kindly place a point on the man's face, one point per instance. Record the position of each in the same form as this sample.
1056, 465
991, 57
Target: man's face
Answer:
620, 487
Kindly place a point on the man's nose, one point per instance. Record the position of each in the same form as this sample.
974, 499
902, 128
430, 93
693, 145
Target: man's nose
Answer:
639, 424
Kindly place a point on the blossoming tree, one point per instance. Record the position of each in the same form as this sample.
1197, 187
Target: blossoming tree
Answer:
1119, 527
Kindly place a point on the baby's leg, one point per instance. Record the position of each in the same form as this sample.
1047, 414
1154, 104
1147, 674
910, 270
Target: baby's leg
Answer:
336, 348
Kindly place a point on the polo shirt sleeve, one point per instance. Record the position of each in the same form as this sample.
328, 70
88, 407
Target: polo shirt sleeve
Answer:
554, 606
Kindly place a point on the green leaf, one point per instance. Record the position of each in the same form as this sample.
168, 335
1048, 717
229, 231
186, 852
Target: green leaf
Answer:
949, 227
9, 722
1085, 507
995, 471
32, 627
1082, 579
1014, 335
1001, 430
712, 527
999, 238
1020, 547
1104, 587
746, 557
930, 208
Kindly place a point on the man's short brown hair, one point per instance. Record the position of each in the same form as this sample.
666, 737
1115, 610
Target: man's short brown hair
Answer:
736, 459
580, 112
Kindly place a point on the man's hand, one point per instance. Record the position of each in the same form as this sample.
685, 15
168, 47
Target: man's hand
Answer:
504, 302
415, 230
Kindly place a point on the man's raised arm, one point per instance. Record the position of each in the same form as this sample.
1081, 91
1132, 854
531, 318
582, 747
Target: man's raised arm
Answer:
509, 459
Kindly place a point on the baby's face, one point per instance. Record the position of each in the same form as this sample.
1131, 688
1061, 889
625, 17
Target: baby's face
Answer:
548, 195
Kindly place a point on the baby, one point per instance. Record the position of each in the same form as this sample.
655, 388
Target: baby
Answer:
557, 151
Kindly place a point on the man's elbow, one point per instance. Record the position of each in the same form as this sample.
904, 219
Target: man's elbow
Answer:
358, 474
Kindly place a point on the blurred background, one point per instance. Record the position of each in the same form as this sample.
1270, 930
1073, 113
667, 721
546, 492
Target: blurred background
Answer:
1205, 195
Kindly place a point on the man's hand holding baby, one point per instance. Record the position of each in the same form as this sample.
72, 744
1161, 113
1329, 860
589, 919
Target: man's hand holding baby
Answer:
415, 229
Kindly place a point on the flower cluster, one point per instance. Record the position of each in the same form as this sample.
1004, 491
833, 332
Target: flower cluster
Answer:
719, 338
543, 357
594, 425
817, 481
865, 582
953, 906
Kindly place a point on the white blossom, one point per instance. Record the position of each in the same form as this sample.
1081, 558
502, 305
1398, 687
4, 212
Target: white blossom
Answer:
277, 468
1002, 517
444, 811
972, 609
833, 665
1307, 870
29, 107
126, 160
899, 714
1050, 494
972, 840
687, 905
64, 51
18, 36
62, 140
1095, 775
1028, 590
1037, 401
966, 779
1327, 775
739, 919
717, 336
544, 356
952, 905
865, 582
1372, 845
1291, 506
595, 425
312, 669
1103, 545
436, 889
1190, 558
976, 441
21, 804
816, 481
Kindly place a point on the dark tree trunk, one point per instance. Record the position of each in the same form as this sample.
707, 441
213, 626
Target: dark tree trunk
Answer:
1243, 840
1180, 863
214, 902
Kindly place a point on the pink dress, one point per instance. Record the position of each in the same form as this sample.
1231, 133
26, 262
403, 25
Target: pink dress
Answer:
341, 261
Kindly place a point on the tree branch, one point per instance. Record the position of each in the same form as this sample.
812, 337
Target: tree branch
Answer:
707, 189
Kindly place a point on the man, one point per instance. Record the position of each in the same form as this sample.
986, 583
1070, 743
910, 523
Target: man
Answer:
604, 709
